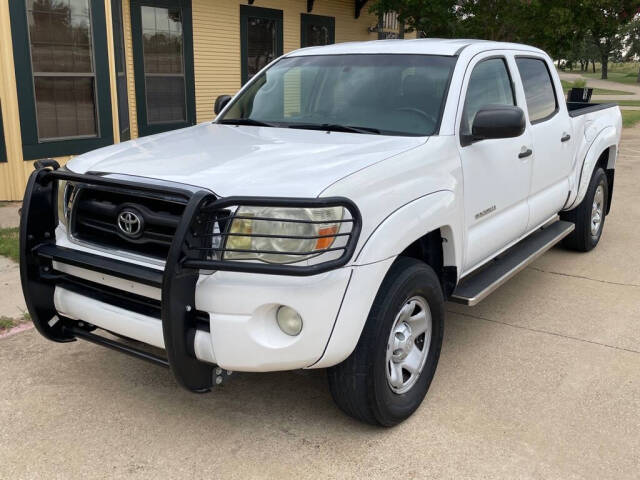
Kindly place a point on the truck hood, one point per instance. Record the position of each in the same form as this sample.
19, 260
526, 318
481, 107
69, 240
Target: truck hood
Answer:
246, 160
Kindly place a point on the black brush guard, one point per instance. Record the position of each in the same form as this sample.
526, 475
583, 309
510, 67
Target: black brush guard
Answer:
187, 256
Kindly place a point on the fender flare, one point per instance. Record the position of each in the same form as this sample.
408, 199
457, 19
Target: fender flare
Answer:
411, 221
606, 139
396, 232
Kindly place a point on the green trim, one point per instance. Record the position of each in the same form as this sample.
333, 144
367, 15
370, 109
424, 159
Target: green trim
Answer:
247, 11
3, 146
138, 65
32, 147
124, 122
308, 19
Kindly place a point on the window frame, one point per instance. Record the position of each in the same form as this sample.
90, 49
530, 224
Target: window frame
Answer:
32, 147
524, 91
119, 56
3, 145
144, 127
466, 140
247, 11
322, 20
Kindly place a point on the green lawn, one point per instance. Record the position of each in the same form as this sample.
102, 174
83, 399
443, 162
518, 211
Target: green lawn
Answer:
623, 103
566, 85
630, 118
9, 243
620, 77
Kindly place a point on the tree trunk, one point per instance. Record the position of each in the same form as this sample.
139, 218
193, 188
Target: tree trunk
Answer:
605, 66
593, 65
638, 78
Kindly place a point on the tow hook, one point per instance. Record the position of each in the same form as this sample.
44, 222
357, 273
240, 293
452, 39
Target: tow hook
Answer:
220, 375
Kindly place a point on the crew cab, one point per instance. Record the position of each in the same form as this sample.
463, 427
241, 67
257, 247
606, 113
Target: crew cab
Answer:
323, 218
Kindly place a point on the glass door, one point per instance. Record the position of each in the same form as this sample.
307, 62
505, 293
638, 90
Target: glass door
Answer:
163, 64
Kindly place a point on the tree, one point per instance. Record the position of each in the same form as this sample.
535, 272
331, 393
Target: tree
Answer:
632, 42
606, 20
432, 18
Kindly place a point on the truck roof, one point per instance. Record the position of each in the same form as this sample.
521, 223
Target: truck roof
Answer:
423, 46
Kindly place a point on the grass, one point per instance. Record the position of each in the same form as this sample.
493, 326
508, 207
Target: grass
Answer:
7, 323
630, 118
9, 243
620, 77
625, 103
566, 85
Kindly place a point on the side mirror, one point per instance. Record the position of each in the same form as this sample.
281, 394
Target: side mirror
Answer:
498, 121
221, 102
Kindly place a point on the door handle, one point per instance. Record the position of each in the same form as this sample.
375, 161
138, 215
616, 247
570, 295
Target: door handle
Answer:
565, 138
526, 152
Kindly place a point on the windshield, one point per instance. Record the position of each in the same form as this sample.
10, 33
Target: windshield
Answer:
384, 94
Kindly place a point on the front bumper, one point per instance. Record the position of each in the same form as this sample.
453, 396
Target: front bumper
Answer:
224, 318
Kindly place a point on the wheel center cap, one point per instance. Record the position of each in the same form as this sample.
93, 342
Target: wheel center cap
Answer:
402, 340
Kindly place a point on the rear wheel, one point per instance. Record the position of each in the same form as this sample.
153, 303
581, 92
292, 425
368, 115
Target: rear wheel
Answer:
589, 216
387, 376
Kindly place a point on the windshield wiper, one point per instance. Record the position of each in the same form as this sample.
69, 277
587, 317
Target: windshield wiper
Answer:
333, 127
246, 121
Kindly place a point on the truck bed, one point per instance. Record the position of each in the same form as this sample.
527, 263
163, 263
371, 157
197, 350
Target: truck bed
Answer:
582, 108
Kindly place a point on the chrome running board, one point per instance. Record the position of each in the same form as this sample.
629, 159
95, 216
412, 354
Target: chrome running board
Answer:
478, 285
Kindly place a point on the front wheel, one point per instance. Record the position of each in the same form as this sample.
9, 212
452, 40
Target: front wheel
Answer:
387, 376
589, 216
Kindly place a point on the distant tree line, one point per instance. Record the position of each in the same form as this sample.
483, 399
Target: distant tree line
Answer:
578, 32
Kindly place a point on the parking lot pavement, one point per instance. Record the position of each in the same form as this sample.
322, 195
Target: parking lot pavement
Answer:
541, 380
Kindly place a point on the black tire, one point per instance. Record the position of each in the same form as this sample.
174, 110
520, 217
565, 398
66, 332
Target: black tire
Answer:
582, 239
359, 384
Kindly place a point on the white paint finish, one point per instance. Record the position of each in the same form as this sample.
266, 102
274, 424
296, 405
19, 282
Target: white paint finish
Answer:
410, 222
129, 324
203, 347
390, 185
353, 314
552, 159
547, 202
241, 160
494, 178
403, 186
420, 46
242, 309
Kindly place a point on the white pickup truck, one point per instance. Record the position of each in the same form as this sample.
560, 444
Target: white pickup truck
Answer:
323, 219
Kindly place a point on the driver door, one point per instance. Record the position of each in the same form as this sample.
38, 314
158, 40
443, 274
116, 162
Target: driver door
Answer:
496, 172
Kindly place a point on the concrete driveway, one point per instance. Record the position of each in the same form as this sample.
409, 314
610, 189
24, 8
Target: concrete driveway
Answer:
542, 380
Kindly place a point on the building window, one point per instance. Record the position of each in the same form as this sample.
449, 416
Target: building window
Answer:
121, 71
163, 57
261, 38
317, 30
3, 146
63, 89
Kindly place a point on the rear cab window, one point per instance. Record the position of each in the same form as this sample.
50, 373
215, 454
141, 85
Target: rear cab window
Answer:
539, 92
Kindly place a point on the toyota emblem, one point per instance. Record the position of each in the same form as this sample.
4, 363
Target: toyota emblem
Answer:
130, 223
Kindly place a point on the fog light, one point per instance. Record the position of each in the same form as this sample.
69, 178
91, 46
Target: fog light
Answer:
289, 321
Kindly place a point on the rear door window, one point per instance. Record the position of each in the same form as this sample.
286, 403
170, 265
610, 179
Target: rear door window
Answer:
538, 88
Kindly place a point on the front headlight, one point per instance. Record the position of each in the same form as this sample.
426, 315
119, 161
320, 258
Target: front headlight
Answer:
281, 234
65, 190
